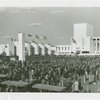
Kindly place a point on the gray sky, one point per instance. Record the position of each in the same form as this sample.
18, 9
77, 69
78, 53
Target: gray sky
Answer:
54, 23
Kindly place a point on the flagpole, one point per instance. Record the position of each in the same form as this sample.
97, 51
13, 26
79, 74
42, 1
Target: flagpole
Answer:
71, 45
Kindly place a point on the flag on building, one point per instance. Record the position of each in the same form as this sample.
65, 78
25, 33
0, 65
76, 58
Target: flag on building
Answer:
37, 36
33, 41
15, 39
12, 39
5, 46
74, 41
44, 37
29, 35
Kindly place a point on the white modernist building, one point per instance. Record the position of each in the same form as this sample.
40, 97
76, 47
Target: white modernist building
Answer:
41, 49
16, 48
82, 40
34, 48
48, 49
63, 49
7, 47
4, 48
96, 45
27, 48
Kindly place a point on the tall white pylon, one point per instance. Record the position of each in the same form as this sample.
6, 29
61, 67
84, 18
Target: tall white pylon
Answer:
21, 42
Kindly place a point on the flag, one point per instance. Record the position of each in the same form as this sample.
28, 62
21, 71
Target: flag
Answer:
11, 39
26, 41
44, 37
37, 36
29, 35
15, 39
33, 41
74, 41
5, 46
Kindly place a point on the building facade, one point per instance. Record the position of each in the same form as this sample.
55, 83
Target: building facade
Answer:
96, 45
82, 42
82, 39
7, 47
63, 49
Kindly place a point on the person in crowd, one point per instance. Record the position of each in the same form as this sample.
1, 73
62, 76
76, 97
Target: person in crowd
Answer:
76, 86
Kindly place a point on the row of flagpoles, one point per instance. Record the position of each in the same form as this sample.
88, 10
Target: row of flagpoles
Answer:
74, 41
38, 38
29, 35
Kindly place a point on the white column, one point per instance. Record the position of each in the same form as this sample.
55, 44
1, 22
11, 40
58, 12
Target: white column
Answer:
99, 45
21, 53
96, 45
28, 48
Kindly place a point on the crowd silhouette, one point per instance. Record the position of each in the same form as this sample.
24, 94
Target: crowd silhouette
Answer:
63, 71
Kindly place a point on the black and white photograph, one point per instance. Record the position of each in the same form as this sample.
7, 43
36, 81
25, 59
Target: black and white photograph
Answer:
50, 49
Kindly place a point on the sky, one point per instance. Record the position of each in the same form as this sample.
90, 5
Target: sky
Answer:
55, 23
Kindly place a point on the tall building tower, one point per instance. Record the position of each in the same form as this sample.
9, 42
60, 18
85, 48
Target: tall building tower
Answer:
82, 36
21, 46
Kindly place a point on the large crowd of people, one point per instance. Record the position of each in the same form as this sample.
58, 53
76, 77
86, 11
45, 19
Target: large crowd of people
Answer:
70, 71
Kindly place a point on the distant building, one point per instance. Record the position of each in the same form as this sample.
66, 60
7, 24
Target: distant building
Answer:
6, 47
48, 49
95, 45
41, 49
27, 48
82, 40
34, 48
63, 49
16, 49
53, 50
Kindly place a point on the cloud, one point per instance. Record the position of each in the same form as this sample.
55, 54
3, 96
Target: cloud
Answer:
18, 9
7, 37
14, 11
29, 10
62, 38
35, 24
56, 11
2, 9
